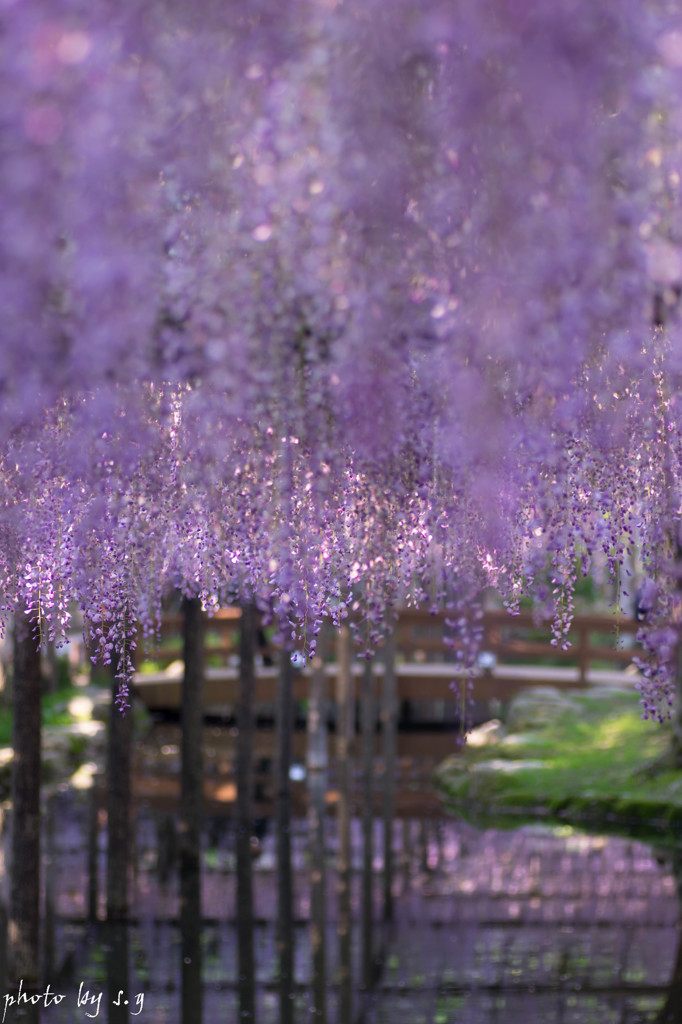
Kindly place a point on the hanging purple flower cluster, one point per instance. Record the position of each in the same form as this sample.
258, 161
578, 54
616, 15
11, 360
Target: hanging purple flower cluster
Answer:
337, 304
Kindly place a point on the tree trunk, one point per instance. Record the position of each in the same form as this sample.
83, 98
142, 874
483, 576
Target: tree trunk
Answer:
677, 709
191, 800
93, 850
671, 1011
345, 721
285, 893
119, 995
118, 804
244, 778
5, 839
367, 909
50, 859
389, 716
190, 942
317, 788
24, 916
167, 848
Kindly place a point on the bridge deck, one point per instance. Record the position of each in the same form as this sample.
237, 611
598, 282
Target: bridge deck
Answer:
414, 682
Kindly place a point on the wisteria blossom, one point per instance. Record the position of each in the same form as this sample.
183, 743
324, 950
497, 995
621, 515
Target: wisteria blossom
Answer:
330, 303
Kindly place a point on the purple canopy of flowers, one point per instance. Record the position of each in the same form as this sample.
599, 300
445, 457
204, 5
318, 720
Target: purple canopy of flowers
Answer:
331, 301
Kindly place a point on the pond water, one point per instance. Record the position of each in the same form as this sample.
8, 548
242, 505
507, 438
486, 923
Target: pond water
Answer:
534, 924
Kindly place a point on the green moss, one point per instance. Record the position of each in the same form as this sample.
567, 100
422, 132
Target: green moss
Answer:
150, 667
55, 712
592, 766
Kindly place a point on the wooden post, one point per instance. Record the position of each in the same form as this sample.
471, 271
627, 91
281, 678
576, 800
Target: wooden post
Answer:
583, 652
118, 973
389, 716
167, 847
423, 847
671, 1011
244, 816
118, 804
317, 788
24, 916
191, 808
190, 941
406, 854
5, 677
192, 711
345, 722
4, 858
367, 899
676, 717
50, 889
93, 850
285, 895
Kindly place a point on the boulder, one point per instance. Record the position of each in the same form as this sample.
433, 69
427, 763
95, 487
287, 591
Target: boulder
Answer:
536, 707
485, 735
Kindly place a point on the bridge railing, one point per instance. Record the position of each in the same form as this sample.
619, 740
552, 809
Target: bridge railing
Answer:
517, 652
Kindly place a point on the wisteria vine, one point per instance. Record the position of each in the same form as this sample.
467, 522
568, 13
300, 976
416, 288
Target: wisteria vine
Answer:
338, 306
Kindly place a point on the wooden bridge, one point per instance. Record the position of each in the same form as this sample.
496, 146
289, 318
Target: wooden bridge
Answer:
516, 653
363, 786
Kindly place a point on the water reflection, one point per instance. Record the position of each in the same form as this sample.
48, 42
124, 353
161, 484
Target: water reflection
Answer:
118, 992
284, 937
529, 925
191, 927
317, 811
487, 928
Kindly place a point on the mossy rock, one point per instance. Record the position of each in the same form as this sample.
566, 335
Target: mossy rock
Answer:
586, 761
537, 707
